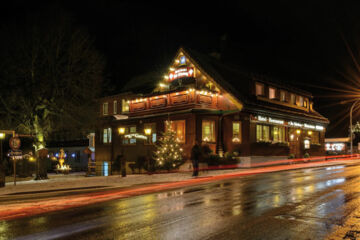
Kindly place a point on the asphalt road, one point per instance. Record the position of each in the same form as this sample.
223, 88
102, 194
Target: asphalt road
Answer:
296, 204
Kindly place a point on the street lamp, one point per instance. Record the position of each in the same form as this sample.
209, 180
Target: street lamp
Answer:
2, 170
351, 132
121, 131
148, 133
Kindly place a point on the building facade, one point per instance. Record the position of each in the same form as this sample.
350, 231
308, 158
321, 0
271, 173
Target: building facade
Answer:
214, 104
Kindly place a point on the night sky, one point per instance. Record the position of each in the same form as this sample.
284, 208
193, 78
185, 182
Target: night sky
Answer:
301, 42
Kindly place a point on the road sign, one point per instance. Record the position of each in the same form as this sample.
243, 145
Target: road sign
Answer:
14, 143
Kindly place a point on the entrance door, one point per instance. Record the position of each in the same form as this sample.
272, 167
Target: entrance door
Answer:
294, 143
105, 169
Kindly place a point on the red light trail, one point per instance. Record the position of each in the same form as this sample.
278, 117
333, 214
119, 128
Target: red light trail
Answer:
18, 210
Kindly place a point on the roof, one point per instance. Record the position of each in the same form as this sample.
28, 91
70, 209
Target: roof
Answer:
239, 82
337, 140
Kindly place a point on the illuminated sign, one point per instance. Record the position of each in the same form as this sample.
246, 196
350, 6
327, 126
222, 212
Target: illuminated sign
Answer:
335, 146
181, 73
290, 123
135, 135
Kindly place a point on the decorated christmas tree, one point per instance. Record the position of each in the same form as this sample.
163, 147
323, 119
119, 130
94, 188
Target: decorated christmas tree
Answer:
168, 151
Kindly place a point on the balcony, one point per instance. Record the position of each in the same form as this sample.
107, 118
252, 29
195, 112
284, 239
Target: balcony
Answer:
172, 101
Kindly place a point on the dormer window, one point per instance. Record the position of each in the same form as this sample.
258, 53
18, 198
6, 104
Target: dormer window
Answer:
272, 93
259, 89
300, 101
115, 107
292, 99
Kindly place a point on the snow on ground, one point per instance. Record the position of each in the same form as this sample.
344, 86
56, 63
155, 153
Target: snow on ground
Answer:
79, 180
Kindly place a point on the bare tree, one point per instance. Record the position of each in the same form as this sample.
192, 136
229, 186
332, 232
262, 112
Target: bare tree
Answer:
50, 75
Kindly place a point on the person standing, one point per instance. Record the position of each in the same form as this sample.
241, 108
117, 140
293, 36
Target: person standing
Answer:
195, 157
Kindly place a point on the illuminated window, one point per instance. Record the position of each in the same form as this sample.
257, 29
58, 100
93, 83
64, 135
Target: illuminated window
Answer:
124, 106
107, 135
259, 89
315, 137
115, 107
262, 133
282, 96
272, 93
129, 130
236, 130
300, 101
305, 103
179, 127
306, 144
278, 134
105, 108
152, 137
292, 99
208, 131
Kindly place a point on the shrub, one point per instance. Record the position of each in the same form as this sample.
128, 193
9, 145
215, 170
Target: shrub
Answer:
291, 156
306, 155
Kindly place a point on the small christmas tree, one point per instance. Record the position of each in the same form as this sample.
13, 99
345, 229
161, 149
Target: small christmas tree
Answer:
168, 151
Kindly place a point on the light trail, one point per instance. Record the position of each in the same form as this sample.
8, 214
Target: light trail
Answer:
18, 210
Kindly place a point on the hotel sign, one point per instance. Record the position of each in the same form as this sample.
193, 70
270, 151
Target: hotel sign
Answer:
181, 73
135, 135
289, 123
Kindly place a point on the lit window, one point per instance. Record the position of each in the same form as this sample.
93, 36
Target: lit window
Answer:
282, 96
124, 106
278, 134
292, 99
262, 133
179, 128
305, 103
236, 129
152, 138
259, 89
115, 107
107, 135
272, 93
105, 108
300, 101
306, 144
208, 131
129, 130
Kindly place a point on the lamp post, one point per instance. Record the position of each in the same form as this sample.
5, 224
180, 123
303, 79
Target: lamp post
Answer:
2, 170
351, 132
147, 132
121, 131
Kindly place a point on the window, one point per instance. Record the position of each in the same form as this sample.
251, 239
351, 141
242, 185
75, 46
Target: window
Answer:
115, 107
272, 93
262, 133
125, 106
152, 138
292, 99
315, 137
259, 89
300, 101
129, 130
105, 108
107, 135
278, 134
305, 103
179, 127
208, 131
236, 132
282, 96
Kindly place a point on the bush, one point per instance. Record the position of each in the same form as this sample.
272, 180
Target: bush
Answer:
213, 160
306, 155
291, 156
230, 158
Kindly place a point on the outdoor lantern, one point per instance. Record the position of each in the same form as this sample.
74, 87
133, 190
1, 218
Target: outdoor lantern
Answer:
147, 131
2, 135
121, 130
298, 131
310, 133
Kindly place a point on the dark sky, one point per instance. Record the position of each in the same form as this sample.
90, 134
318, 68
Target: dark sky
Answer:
296, 41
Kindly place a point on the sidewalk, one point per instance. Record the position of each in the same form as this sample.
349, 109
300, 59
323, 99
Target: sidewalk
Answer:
76, 181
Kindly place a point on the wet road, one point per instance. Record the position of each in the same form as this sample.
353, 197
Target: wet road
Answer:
296, 204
